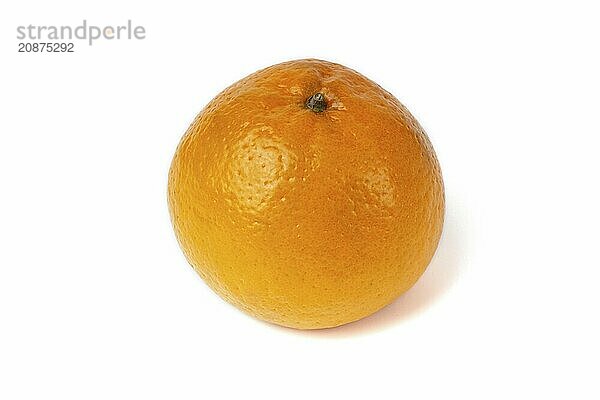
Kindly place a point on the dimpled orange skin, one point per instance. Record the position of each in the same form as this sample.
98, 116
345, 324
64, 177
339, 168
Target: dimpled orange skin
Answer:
303, 219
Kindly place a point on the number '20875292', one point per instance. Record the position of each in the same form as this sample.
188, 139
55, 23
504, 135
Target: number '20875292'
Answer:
46, 47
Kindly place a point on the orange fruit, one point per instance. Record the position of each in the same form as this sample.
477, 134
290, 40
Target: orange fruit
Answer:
307, 195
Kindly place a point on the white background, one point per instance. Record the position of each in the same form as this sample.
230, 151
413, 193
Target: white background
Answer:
98, 302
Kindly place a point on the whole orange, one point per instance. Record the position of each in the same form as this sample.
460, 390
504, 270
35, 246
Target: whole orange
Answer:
307, 195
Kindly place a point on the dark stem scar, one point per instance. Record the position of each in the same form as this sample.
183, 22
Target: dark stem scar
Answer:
316, 103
